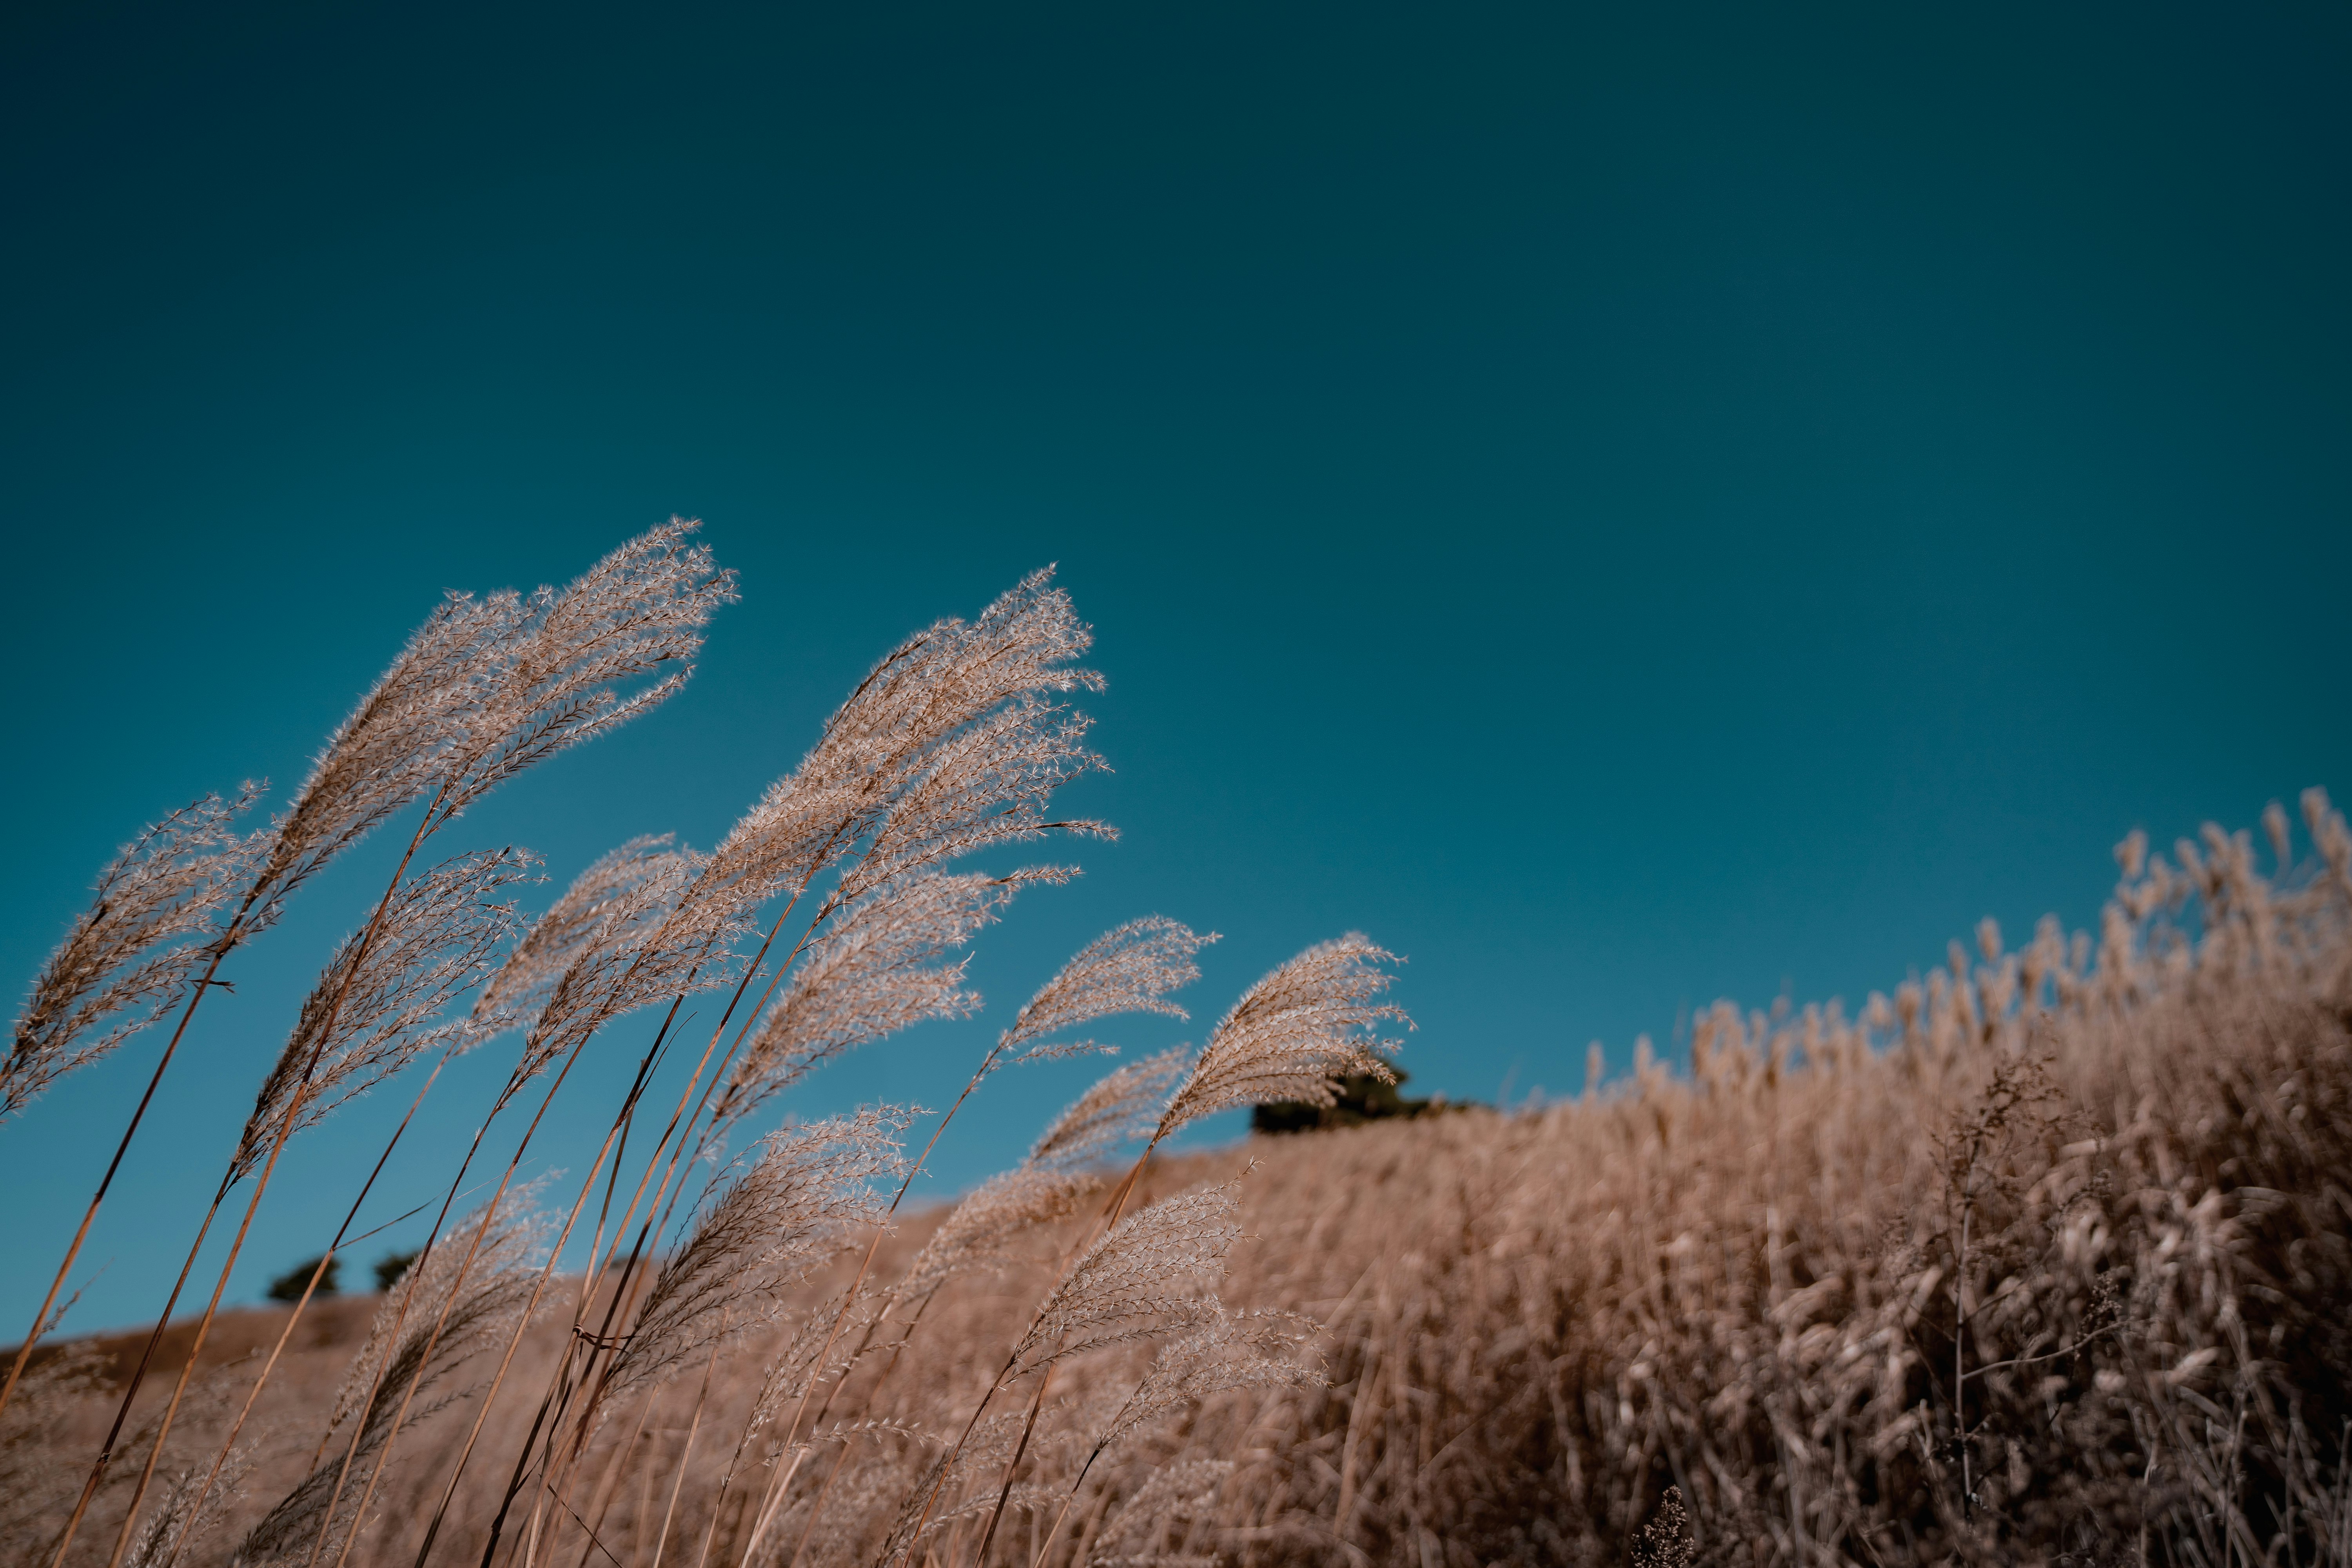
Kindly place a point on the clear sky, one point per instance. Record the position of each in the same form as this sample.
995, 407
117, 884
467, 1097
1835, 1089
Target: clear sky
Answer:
1627, 507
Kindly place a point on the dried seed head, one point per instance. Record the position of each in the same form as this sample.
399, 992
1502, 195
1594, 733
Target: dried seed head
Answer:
1123, 1104
1145, 1277
604, 903
1128, 970
487, 687
878, 969
1311, 1021
805, 1191
945, 747
372, 1012
127, 959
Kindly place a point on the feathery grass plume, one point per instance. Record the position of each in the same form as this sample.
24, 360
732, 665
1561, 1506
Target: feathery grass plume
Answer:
428, 1325
1123, 1105
1049, 1185
646, 940
976, 1231
875, 972
390, 752
1132, 1283
603, 903
986, 785
372, 1012
486, 689
127, 959
902, 733
1130, 969
1312, 1020
806, 1191
639, 609
189, 1511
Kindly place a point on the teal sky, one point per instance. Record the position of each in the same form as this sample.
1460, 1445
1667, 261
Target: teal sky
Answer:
1625, 507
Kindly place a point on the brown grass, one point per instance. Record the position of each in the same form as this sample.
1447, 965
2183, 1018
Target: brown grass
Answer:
2044, 1259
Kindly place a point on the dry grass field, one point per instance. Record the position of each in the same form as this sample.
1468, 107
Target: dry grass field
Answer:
2043, 1258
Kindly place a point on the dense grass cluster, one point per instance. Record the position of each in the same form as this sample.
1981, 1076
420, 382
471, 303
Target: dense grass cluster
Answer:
2044, 1258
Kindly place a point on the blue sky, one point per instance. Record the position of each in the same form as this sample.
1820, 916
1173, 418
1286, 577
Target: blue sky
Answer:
1626, 507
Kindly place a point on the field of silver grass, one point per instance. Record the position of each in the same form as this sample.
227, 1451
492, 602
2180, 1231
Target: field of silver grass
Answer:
2045, 1258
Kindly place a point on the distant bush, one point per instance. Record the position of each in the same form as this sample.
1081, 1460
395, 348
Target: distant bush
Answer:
289, 1286
1361, 1098
391, 1267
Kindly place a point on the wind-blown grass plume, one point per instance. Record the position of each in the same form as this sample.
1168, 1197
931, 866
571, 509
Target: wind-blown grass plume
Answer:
1132, 1283
639, 609
1314, 1019
902, 737
805, 1193
127, 959
1123, 1105
1050, 1183
875, 972
481, 690
1130, 969
596, 911
372, 1012
470, 1305
1234, 1350
486, 689
984, 786
646, 942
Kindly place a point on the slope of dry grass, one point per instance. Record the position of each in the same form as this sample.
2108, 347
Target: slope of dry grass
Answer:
2058, 1273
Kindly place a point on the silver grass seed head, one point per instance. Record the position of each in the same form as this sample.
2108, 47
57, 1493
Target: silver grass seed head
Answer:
1313, 1019
801, 1195
1234, 1349
487, 687
554, 684
1130, 969
1122, 1105
652, 943
1148, 1275
393, 747
603, 904
881, 968
898, 730
978, 1232
372, 1012
127, 959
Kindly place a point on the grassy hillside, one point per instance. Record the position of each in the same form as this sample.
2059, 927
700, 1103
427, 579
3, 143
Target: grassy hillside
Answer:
2046, 1258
